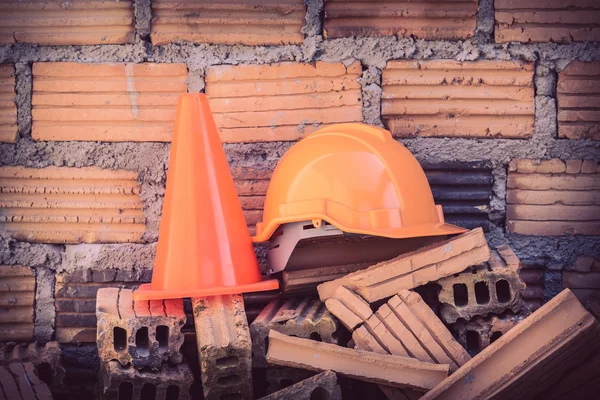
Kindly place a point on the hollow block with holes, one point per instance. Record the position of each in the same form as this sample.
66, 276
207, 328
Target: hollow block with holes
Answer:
301, 317
322, 386
491, 287
224, 347
172, 382
143, 333
45, 360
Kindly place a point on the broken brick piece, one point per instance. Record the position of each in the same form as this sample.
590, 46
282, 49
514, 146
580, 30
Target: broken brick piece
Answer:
106, 102
71, 205
171, 382
323, 385
368, 366
541, 348
236, 22
224, 346
414, 269
493, 287
282, 101
8, 108
420, 20
281, 377
19, 381
448, 98
365, 341
349, 308
17, 294
479, 332
143, 333
301, 317
46, 360
305, 281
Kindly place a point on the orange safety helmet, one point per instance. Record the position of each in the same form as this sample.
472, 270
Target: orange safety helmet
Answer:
357, 178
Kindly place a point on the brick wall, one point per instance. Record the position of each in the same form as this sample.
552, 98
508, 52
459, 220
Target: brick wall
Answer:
499, 103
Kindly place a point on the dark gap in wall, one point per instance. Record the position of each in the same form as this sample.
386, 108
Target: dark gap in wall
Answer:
482, 293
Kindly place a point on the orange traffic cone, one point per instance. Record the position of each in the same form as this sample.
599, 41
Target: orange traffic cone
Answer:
204, 247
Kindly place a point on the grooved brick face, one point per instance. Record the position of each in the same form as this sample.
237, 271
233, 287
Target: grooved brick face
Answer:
57, 22
559, 21
553, 197
17, 293
583, 278
429, 19
285, 101
233, 22
70, 205
579, 101
458, 99
8, 108
107, 102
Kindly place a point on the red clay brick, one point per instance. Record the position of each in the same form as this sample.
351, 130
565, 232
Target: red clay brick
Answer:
19, 381
368, 366
544, 202
300, 317
17, 294
8, 108
234, 22
558, 21
49, 355
578, 101
546, 344
305, 282
107, 102
71, 205
458, 99
323, 384
285, 101
414, 269
365, 341
58, 23
224, 347
349, 308
433, 20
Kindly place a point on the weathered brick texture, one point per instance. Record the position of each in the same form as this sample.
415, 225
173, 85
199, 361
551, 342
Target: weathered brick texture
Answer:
143, 333
533, 277
172, 382
50, 22
278, 377
478, 333
559, 21
300, 317
579, 100
234, 22
492, 287
75, 299
553, 198
8, 108
18, 381
17, 294
285, 101
224, 346
107, 102
583, 278
458, 99
70, 205
320, 386
429, 19
46, 360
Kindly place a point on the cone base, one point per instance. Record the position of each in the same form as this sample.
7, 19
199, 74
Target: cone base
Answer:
145, 292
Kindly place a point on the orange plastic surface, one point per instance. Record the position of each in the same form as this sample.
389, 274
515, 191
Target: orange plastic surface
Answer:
357, 178
204, 247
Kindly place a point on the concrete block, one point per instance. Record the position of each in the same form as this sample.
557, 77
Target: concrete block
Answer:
300, 317
224, 346
367, 366
302, 97
530, 356
416, 20
320, 386
172, 382
413, 269
46, 360
19, 381
8, 107
126, 102
543, 21
17, 294
237, 22
493, 287
478, 333
143, 333
484, 99
71, 205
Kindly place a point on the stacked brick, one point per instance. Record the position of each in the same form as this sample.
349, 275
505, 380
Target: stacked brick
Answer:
17, 295
583, 278
46, 360
8, 108
139, 347
19, 381
553, 197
